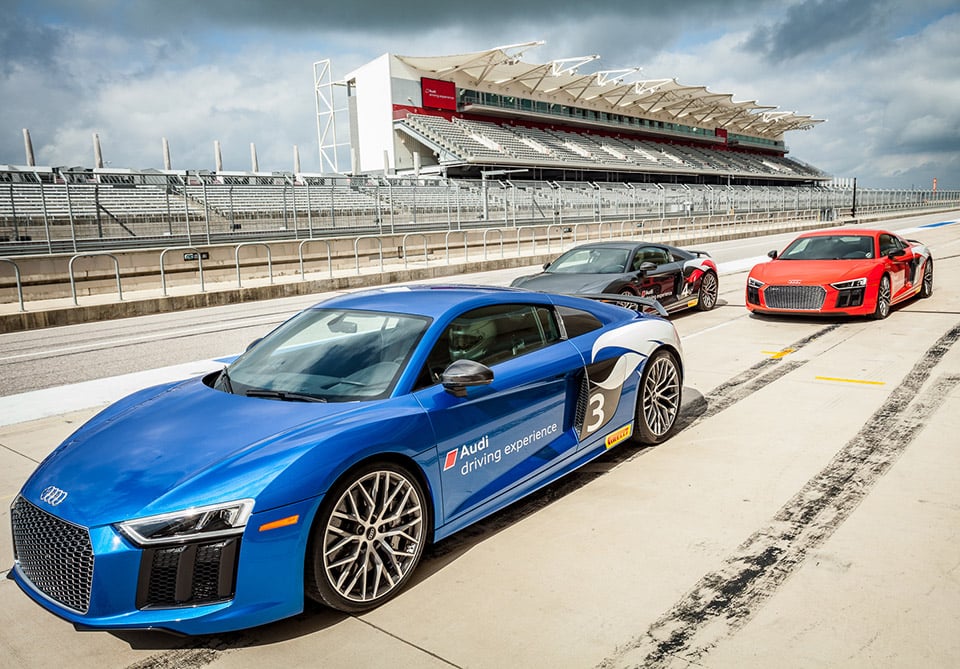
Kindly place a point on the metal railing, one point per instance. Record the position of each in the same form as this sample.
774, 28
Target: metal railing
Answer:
86, 211
522, 241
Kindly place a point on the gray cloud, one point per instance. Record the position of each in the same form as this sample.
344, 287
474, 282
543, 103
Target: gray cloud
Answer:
813, 26
378, 16
25, 43
885, 74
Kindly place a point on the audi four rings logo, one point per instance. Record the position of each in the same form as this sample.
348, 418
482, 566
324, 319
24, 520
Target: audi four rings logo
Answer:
52, 495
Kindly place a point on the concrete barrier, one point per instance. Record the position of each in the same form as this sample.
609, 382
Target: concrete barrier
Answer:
350, 264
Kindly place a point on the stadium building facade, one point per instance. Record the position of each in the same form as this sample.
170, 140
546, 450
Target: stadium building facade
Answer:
492, 113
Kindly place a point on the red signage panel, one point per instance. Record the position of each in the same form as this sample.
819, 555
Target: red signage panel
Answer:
438, 94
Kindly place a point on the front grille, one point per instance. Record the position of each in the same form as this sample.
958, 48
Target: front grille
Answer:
54, 555
188, 574
801, 298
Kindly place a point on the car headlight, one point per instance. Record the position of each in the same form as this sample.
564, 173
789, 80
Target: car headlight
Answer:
201, 522
853, 283
754, 283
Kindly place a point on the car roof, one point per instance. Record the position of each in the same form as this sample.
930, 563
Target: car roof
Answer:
861, 232
430, 300
617, 245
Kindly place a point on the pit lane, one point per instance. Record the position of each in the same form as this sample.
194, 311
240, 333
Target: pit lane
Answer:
806, 513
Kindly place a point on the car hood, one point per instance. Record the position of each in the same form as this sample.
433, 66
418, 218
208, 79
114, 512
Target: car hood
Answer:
567, 283
801, 272
141, 456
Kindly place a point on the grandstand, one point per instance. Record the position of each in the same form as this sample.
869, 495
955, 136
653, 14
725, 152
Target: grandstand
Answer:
490, 112
456, 142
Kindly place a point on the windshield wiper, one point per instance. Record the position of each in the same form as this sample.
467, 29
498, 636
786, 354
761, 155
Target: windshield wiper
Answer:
225, 378
283, 395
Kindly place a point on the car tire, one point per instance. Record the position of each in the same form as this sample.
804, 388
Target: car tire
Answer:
368, 538
627, 305
709, 289
883, 299
658, 399
926, 285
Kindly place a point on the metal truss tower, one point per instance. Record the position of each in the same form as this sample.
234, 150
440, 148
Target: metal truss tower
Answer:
327, 111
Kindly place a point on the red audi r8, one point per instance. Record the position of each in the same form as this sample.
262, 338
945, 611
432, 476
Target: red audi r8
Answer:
841, 271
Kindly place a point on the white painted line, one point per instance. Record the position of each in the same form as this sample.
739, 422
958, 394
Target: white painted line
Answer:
706, 330
207, 329
741, 265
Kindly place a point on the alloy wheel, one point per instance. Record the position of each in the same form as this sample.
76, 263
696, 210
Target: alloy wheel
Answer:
373, 537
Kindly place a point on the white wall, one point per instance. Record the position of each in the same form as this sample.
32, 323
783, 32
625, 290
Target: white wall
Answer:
373, 97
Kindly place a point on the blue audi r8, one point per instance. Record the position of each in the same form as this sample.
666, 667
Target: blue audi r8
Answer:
322, 461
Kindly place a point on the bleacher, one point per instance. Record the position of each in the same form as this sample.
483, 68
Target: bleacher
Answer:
490, 142
113, 208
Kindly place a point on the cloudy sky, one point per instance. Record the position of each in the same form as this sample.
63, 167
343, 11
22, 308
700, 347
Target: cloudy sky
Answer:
885, 74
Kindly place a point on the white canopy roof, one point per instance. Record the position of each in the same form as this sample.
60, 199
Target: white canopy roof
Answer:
501, 70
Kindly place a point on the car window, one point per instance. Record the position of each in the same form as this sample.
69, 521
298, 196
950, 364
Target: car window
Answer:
652, 254
577, 322
491, 335
829, 247
889, 243
329, 354
592, 260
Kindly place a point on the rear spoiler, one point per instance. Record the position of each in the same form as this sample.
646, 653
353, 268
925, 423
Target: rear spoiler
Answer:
699, 254
647, 305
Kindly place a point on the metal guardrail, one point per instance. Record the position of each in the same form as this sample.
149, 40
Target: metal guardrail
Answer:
329, 256
556, 237
356, 249
499, 232
60, 211
73, 283
403, 247
16, 272
163, 278
236, 254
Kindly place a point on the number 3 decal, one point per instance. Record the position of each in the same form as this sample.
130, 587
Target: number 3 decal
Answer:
596, 406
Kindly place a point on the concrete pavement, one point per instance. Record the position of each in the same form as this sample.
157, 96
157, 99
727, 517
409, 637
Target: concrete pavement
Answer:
807, 515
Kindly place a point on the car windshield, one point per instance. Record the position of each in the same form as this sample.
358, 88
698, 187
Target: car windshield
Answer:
829, 247
327, 355
591, 261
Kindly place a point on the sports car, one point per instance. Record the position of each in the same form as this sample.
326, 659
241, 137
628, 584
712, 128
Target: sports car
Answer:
850, 272
320, 462
677, 278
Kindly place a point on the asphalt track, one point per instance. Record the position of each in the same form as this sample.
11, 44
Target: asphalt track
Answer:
806, 514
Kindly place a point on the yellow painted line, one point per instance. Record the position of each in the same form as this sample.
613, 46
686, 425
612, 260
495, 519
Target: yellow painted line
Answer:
868, 383
776, 355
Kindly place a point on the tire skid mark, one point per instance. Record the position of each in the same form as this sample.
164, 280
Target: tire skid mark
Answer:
199, 653
749, 381
724, 600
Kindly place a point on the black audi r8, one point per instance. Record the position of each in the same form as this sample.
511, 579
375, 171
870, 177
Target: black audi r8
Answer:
677, 278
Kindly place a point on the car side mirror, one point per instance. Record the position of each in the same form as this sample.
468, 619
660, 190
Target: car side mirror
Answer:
646, 266
546, 265
773, 254
253, 343
462, 374
896, 253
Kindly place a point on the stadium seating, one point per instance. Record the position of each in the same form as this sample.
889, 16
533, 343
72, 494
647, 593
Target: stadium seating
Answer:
491, 142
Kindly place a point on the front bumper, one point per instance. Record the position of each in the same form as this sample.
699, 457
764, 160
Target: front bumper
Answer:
811, 300
263, 583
